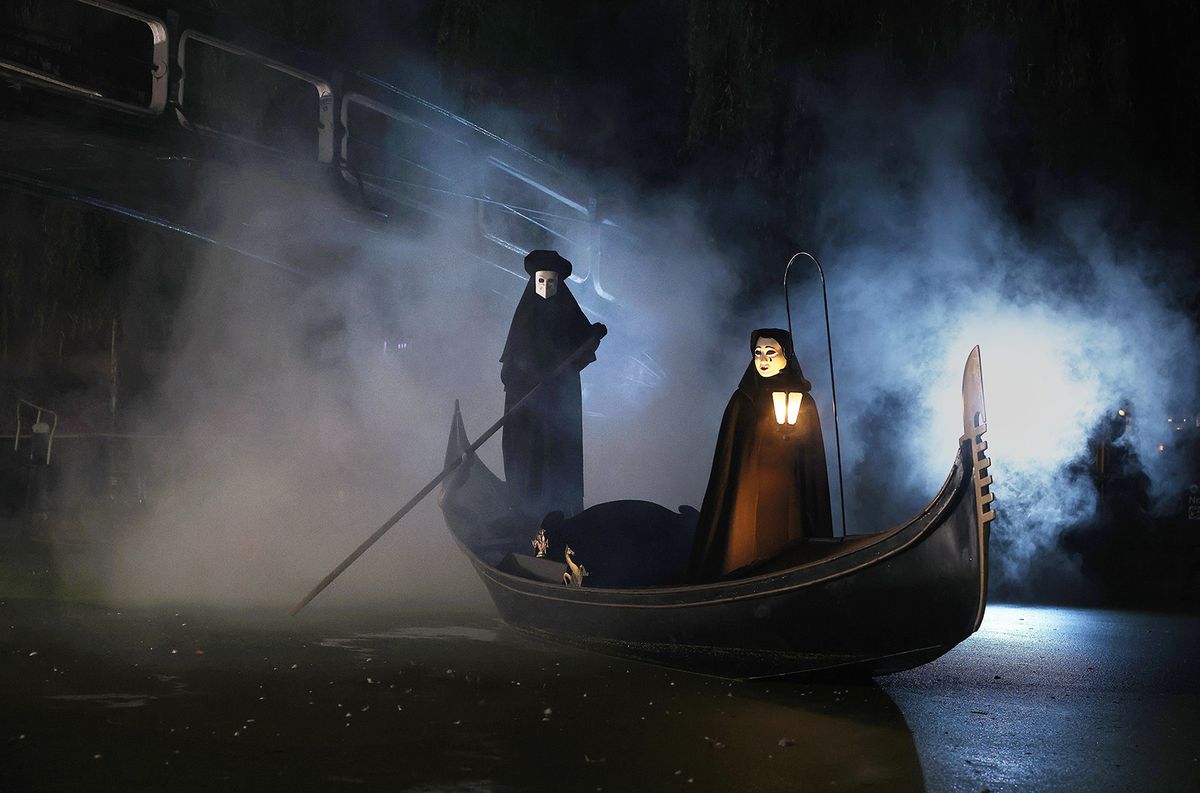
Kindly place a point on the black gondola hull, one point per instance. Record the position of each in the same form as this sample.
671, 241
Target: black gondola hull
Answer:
875, 604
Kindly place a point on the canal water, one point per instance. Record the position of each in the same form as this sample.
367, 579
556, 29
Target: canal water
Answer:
95, 698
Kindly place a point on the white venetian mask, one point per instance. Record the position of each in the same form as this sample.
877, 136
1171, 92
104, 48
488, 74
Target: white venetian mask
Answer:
545, 283
769, 359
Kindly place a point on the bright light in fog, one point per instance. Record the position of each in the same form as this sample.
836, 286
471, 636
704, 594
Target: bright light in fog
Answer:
1042, 393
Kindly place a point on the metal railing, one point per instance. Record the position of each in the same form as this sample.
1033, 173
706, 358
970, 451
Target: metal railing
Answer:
521, 200
31, 74
38, 428
323, 123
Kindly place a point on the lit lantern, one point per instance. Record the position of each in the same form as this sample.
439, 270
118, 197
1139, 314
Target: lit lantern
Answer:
787, 406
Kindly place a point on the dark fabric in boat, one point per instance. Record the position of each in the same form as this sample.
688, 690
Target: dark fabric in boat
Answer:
799, 554
766, 491
621, 543
543, 443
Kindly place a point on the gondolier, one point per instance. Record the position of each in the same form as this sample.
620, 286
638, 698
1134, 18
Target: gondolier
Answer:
543, 442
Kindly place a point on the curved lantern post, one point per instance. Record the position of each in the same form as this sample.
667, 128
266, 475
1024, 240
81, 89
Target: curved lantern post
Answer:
832, 380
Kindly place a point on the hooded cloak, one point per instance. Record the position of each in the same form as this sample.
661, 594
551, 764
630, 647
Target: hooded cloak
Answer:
543, 442
767, 489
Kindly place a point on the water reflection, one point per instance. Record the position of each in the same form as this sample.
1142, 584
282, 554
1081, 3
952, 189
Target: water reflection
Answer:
666, 731
189, 699
101, 700
420, 704
540, 717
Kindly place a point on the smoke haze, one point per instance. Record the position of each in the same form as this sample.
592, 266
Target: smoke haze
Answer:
313, 408
1077, 315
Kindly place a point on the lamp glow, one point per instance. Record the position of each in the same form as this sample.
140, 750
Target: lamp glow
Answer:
787, 406
780, 399
794, 399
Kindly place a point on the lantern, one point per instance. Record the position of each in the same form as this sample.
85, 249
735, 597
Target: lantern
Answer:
787, 406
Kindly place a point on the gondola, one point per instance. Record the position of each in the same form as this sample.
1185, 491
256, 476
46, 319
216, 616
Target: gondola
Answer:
866, 604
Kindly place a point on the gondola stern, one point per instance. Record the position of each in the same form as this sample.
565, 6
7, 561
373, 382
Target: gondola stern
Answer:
472, 499
457, 443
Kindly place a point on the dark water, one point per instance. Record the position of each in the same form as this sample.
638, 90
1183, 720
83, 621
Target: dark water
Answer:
201, 699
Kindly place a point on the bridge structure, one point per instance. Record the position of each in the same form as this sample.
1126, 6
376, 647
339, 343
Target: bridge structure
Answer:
209, 133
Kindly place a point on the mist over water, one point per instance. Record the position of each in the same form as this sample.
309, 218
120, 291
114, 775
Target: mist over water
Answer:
313, 408
1077, 315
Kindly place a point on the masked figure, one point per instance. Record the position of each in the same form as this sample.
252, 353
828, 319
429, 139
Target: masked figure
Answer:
769, 487
543, 442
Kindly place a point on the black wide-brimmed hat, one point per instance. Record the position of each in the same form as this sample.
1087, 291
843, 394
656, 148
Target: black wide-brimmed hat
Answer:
547, 260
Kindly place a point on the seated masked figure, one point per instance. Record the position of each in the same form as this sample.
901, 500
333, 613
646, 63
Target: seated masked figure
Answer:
769, 487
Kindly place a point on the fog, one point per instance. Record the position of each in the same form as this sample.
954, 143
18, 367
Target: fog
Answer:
309, 409
312, 408
1077, 314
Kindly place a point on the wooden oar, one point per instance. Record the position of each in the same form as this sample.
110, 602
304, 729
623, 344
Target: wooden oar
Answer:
591, 342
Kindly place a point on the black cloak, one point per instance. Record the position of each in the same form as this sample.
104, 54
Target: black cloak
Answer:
543, 442
767, 489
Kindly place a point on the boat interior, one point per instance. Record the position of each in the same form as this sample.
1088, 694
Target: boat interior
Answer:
620, 544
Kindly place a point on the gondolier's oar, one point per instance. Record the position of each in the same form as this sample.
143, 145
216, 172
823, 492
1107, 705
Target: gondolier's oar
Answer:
591, 342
